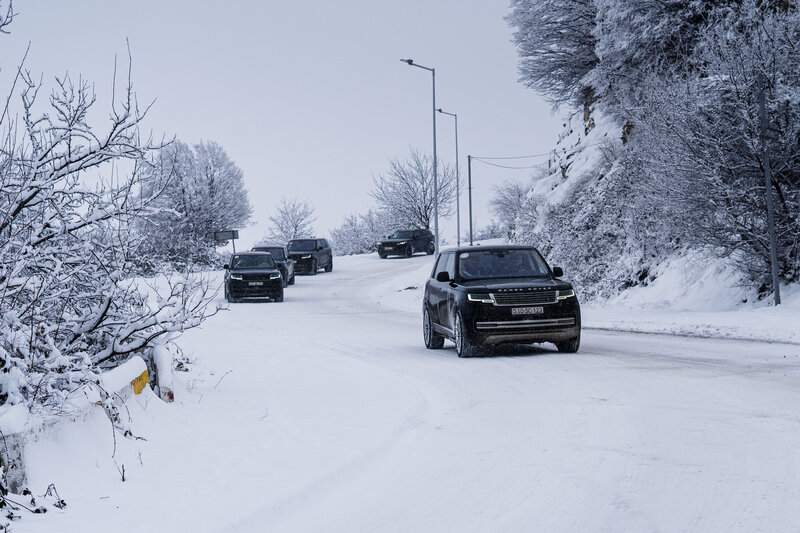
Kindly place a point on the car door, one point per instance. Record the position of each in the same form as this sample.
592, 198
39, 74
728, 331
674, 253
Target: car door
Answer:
417, 242
439, 296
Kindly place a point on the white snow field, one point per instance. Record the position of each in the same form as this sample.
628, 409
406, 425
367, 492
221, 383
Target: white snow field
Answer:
327, 413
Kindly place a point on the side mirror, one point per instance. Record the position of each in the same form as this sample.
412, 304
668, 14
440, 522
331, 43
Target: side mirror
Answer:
557, 272
226, 267
443, 276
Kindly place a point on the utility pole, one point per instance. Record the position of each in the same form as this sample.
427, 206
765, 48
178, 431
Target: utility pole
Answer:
469, 189
773, 244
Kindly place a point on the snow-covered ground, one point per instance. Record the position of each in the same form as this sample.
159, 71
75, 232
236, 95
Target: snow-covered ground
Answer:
327, 413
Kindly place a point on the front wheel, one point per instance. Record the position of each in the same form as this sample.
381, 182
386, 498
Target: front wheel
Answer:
570, 345
329, 266
431, 248
464, 348
433, 341
314, 267
279, 298
409, 251
382, 256
291, 280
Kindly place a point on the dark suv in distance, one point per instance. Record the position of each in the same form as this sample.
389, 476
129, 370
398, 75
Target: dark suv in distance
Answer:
253, 275
483, 295
309, 255
406, 242
285, 265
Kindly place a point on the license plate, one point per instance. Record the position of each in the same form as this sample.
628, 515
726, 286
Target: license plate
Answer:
538, 310
388, 248
255, 283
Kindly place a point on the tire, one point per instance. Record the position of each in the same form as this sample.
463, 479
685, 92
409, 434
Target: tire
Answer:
314, 267
409, 251
280, 297
291, 280
228, 295
430, 249
463, 347
329, 266
382, 256
570, 345
433, 341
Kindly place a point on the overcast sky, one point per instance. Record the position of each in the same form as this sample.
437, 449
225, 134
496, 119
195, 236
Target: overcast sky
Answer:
308, 97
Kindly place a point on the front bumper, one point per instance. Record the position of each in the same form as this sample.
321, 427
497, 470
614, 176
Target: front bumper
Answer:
489, 324
242, 289
401, 249
303, 266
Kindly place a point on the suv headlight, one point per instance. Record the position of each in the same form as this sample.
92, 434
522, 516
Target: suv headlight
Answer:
482, 298
237, 277
306, 257
404, 242
275, 276
563, 295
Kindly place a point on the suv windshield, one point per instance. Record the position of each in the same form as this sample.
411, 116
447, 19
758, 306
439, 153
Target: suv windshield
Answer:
501, 264
276, 251
252, 261
303, 246
404, 234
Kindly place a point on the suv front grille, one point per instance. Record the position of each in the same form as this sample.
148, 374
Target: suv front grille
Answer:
524, 298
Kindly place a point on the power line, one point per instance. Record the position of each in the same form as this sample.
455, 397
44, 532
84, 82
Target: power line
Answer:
502, 166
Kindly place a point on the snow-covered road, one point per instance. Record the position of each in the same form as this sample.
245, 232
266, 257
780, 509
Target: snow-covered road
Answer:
327, 413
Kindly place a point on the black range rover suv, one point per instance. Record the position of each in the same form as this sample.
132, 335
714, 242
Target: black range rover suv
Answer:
406, 242
309, 255
483, 295
285, 265
253, 275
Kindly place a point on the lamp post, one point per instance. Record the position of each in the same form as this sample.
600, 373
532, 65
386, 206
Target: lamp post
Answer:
458, 179
435, 164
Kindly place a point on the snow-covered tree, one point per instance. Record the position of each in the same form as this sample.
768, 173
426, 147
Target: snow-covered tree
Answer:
204, 193
68, 301
701, 139
292, 219
359, 233
556, 41
405, 193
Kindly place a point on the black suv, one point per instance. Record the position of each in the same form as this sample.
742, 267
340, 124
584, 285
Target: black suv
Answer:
253, 275
481, 295
285, 265
406, 242
309, 255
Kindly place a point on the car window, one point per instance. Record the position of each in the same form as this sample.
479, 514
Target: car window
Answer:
239, 262
402, 234
451, 265
514, 263
441, 265
302, 245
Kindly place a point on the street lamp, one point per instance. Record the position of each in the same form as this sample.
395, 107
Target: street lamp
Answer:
458, 179
435, 177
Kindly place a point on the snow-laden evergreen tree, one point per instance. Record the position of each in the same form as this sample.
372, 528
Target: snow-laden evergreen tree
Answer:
292, 219
204, 193
405, 195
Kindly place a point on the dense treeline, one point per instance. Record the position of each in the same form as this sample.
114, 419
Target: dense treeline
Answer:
682, 81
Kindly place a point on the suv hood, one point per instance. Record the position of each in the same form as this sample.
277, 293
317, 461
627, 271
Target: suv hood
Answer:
395, 241
516, 284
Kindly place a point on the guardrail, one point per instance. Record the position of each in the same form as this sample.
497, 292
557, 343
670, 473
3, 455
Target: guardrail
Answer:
115, 387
